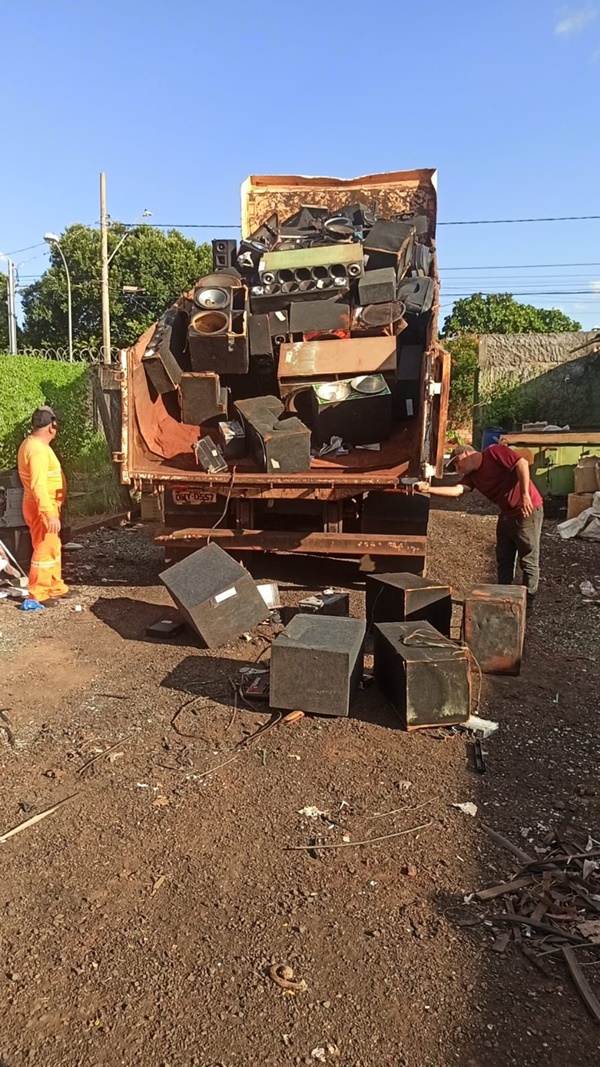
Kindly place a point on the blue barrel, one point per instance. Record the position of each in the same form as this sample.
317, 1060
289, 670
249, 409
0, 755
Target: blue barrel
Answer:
491, 436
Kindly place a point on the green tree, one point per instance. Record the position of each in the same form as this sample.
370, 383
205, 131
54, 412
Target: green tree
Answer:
501, 313
161, 265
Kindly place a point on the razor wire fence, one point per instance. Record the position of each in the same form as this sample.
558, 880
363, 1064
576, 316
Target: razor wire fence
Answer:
92, 356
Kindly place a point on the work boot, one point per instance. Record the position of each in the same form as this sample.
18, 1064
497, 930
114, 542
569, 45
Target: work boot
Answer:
530, 603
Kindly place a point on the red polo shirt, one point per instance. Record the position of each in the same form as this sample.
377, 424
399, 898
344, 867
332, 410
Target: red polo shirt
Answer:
497, 480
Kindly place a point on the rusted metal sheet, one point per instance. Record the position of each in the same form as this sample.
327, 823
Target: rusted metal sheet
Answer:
394, 193
359, 355
297, 542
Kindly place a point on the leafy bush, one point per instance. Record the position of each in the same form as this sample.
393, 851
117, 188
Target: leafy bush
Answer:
464, 356
27, 383
505, 403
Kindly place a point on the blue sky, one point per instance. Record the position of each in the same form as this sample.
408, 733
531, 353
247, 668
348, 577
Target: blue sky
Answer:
179, 101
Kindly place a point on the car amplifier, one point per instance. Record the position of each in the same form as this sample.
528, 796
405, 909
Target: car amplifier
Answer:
317, 664
424, 675
279, 446
319, 316
210, 457
215, 595
232, 439
201, 398
331, 604
163, 360
494, 627
408, 598
343, 409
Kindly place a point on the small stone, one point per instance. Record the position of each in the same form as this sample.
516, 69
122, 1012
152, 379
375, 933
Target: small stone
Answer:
559, 805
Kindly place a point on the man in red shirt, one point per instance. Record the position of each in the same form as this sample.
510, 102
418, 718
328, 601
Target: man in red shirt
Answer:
502, 476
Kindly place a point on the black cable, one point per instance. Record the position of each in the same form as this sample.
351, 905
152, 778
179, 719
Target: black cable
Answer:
224, 512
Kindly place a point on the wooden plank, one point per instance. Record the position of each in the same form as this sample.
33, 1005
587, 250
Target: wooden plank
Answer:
581, 984
505, 887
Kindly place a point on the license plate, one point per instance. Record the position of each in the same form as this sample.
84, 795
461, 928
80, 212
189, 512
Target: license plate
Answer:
193, 497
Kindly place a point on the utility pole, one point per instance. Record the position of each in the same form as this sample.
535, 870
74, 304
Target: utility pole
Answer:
104, 258
12, 314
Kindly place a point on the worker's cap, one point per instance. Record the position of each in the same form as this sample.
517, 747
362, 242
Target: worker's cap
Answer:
43, 417
460, 450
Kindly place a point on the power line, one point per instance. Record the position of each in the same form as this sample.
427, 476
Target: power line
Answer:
521, 266
459, 222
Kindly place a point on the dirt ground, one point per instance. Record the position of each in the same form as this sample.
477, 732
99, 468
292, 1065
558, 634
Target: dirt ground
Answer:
140, 919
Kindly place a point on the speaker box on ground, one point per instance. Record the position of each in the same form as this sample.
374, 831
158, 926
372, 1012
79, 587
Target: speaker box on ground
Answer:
215, 595
494, 627
224, 253
408, 598
424, 676
331, 604
279, 446
317, 664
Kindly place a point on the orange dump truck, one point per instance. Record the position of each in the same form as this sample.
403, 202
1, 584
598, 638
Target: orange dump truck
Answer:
347, 500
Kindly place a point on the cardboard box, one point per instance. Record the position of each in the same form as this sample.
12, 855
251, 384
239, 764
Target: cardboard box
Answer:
578, 502
587, 473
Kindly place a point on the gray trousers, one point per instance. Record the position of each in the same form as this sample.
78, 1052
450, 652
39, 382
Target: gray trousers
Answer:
517, 536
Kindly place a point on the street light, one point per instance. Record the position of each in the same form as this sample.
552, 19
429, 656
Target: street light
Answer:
145, 214
54, 239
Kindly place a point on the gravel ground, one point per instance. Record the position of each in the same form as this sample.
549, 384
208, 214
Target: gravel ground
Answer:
139, 921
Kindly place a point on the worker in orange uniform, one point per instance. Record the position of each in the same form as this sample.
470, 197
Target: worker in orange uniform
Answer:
44, 484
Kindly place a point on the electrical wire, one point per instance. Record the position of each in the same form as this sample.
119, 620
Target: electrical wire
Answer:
453, 222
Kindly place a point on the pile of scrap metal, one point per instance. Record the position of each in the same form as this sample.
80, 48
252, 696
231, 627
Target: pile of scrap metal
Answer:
291, 343
550, 906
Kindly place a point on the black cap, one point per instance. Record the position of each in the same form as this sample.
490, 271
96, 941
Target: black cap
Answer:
43, 417
460, 450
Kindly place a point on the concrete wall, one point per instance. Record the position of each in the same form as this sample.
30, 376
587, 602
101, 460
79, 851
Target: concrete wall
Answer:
561, 385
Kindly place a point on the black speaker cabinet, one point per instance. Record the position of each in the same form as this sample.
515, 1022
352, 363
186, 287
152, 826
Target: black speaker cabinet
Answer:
218, 342
215, 595
232, 440
377, 286
408, 598
317, 665
201, 398
417, 294
279, 446
260, 337
390, 244
406, 387
163, 360
224, 253
210, 457
332, 604
424, 676
358, 418
319, 316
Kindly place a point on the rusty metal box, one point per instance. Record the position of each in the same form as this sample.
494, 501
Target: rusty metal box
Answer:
317, 664
423, 674
408, 598
493, 627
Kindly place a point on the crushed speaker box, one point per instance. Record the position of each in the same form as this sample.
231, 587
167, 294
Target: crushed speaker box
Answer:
279, 445
317, 664
402, 597
216, 596
494, 627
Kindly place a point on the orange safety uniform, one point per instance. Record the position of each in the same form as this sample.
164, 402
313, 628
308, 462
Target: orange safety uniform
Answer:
44, 484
